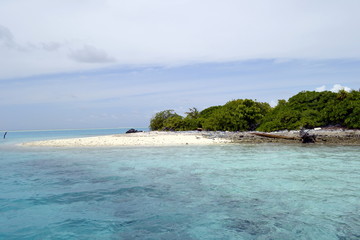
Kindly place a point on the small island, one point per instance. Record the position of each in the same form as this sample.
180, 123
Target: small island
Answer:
324, 117
309, 116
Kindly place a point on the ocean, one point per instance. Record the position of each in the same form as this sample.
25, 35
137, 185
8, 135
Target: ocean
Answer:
233, 191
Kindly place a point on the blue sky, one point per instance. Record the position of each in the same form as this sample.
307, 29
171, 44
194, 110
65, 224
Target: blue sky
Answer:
104, 64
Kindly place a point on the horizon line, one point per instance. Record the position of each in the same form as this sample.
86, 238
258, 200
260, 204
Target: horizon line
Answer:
65, 129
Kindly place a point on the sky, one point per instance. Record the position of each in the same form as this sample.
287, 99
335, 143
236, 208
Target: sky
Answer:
113, 63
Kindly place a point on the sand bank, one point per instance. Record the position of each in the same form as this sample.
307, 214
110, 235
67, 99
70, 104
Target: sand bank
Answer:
134, 139
154, 138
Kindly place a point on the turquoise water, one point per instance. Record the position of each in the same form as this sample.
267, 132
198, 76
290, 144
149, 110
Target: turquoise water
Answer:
264, 191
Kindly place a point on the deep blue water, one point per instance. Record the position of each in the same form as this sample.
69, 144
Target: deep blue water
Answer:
260, 191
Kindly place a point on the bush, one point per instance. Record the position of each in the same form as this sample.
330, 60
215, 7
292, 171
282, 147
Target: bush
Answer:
237, 115
311, 109
158, 121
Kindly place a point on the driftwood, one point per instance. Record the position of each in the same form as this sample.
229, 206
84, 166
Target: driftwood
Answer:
305, 137
268, 135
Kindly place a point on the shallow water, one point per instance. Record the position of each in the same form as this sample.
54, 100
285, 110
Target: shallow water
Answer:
263, 191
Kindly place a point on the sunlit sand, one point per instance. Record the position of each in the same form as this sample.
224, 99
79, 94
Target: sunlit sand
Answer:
134, 139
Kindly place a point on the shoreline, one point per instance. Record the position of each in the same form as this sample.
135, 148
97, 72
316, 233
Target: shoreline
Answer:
181, 138
323, 137
152, 138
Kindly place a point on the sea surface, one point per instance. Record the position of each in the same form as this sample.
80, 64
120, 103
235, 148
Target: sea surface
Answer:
242, 191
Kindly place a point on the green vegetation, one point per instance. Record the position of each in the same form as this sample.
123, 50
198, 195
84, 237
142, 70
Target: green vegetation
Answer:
307, 109
315, 109
237, 115
158, 121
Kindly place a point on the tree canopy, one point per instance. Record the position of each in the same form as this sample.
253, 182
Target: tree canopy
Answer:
307, 109
312, 109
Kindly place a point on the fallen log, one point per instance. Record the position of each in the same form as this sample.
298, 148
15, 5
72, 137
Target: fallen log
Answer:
268, 135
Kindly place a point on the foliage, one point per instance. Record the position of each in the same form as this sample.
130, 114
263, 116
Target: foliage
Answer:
345, 110
173, 123
237, 115
193, 113
311, 109
307, 109
158, 121
208, 111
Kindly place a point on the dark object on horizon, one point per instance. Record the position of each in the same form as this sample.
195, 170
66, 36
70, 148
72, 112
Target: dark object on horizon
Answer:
132, 130
306, 137
5, 135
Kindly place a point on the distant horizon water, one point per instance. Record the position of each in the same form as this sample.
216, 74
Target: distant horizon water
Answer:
68, 129
17, 137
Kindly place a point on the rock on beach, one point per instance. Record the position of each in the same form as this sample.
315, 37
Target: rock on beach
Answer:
323, 136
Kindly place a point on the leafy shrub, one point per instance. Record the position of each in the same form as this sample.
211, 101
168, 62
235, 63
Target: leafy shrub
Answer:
158, 121
315, 109
237, 115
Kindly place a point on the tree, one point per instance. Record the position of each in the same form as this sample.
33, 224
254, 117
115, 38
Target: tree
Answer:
193, 113
158, 121
315, 109
173, 123
237, 115
207, 112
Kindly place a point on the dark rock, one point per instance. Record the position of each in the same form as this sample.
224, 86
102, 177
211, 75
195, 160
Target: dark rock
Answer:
132, 130
306, 137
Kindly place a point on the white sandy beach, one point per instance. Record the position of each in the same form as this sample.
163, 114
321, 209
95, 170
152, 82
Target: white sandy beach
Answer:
133, 139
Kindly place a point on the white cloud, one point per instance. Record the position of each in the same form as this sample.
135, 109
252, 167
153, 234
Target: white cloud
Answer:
335, 88
321, 89
273, 103
338, 87
173, 32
